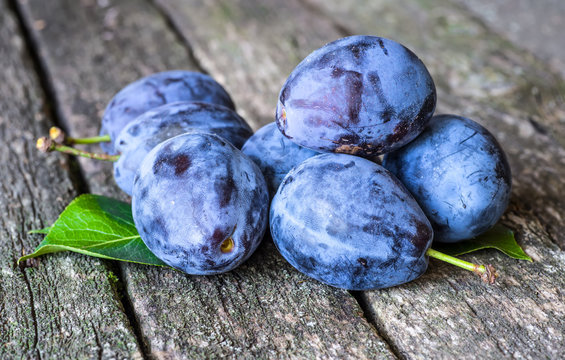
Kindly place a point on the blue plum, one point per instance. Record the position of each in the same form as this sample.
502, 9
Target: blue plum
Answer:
275, 154
199, 204
361, 95
459, 175
161, 123
348, 222
155, 90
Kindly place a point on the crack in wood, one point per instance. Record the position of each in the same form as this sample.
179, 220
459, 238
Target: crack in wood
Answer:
181, 38
120, 288
379, 330
79, 183
316, 10
32, 311
53, 108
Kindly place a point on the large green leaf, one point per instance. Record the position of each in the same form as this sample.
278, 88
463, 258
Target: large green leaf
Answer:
499, 237
97, 226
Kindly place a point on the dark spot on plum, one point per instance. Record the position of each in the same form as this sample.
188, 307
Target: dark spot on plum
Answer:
382, 45
387, 114
354, 82
502, 170
222, 142
219, 236
287, 180
332, 166
134, 130
375, 81
398, 133
180, 164
225, 190
355, 51
369, 228
144, 191
324, 60
422, 236
362, 261
169, 81
349, 164
386, 232
359, 48
337, 72
427, 108
211, 263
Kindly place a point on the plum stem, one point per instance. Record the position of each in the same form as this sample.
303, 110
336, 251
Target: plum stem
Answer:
487, 273
59, 136
46, 145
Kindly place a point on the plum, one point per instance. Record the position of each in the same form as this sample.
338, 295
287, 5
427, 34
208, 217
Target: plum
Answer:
274, 154
459, 175
155, 90
199, 204
154, 126
362, 95
348, 222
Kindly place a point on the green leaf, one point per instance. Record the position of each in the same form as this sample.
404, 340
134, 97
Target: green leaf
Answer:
498, 237
97, 226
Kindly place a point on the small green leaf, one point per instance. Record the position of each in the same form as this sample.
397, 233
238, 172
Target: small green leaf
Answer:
498, 237
40, 231
97, 226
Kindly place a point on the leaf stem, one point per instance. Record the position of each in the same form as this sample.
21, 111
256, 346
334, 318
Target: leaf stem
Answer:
59, 136
46, 145
487, 273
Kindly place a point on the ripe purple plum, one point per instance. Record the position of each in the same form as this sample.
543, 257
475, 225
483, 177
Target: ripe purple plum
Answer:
459, 175
199, 204
348, 222
361, 95
156, 90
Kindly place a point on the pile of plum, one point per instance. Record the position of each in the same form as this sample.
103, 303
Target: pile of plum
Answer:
202, 205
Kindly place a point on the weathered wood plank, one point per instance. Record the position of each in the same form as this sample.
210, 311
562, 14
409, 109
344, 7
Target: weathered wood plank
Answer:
64, 306
446, 313
263, 309
533, 25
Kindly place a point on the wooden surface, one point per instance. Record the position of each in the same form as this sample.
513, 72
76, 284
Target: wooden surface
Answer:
62, 60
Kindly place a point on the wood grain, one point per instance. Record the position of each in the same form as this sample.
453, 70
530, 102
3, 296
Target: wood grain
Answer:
61, 306
89, 49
